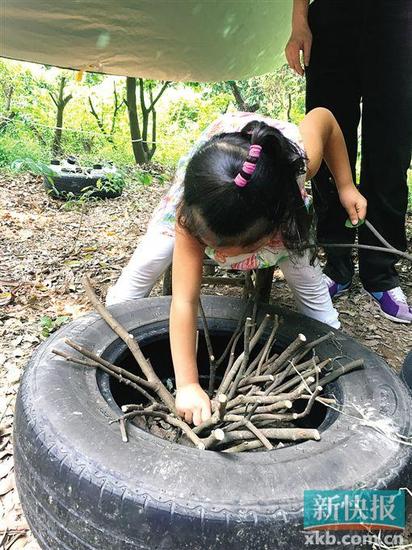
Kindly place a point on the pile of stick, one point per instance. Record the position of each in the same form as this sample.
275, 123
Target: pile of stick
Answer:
254, 405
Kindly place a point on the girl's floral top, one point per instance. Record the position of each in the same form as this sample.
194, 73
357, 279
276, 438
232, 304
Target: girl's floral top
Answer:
165, 213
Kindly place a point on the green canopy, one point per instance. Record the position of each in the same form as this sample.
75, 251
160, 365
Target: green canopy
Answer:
180, 40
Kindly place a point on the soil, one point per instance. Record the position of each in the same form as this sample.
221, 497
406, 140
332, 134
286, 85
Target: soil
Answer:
48, 246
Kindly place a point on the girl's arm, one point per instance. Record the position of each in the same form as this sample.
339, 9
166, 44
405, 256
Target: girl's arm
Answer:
191, 401
323, 140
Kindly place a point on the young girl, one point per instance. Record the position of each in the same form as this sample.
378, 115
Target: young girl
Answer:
239, 196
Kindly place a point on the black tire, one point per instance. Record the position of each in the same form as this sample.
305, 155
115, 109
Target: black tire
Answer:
82, 488
406, 372
73, 185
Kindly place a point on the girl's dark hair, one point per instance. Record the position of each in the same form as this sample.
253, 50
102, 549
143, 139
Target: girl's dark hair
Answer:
213, 205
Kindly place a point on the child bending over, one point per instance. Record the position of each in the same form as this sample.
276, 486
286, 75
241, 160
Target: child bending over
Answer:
239, 196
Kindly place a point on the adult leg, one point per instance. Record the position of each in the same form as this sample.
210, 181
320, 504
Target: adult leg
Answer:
309, 289
150, 259
332, 81
386, 134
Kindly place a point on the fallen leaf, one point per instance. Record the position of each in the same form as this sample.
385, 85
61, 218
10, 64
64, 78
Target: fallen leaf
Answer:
7, 484
5, 467
19, 544
5, 298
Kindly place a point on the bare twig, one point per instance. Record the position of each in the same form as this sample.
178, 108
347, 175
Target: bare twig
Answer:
241, 421
285, 434
245, 360
123, 431
132, 344
173, 421
121, 375
224, 385
299, 341
212, 361
244, 446
235, 334
339, 371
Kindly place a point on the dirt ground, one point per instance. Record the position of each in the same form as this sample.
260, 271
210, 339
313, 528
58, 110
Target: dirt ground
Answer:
47, 248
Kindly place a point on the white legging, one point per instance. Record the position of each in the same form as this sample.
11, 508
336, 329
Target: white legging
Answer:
154, 254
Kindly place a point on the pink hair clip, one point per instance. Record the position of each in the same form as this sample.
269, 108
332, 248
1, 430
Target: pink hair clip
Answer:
248, 166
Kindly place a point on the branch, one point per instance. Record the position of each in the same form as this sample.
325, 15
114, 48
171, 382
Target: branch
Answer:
212, 362
132, 344
286, 354
177, 422
67, 99
122, 375
153, 103
96, 116
53, 98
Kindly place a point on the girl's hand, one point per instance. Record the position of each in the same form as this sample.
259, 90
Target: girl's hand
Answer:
193, 403
353, 202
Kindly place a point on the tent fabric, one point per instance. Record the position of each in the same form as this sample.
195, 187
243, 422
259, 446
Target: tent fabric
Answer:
179, 40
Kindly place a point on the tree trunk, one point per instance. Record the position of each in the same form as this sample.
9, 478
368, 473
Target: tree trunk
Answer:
289, 107
240, 102
135, 134
60, 101
57, 141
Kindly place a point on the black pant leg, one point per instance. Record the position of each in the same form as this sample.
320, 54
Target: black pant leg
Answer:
386, 133
332, 81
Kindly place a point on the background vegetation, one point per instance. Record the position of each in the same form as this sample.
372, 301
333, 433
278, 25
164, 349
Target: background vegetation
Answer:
46, 112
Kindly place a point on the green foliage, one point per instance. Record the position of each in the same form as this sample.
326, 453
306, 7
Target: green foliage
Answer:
93, 79
144, 178
35, 166
49, 325
13, 148
28, 116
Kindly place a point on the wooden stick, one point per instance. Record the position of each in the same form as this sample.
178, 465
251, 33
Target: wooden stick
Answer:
235, 334
212, 362
132, 344
123, 431
265, 408
232, 355
119, 376
309, 405
285, 434
268, 345
221, 405
296, 379
139, 407
245, 360
359, 363
261, 399
217, 415
256, 380
217, 436
177, 422
311, 345
244, 446
241, 421
292, 348
322, 400
232, 372
97, 359
265, 350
